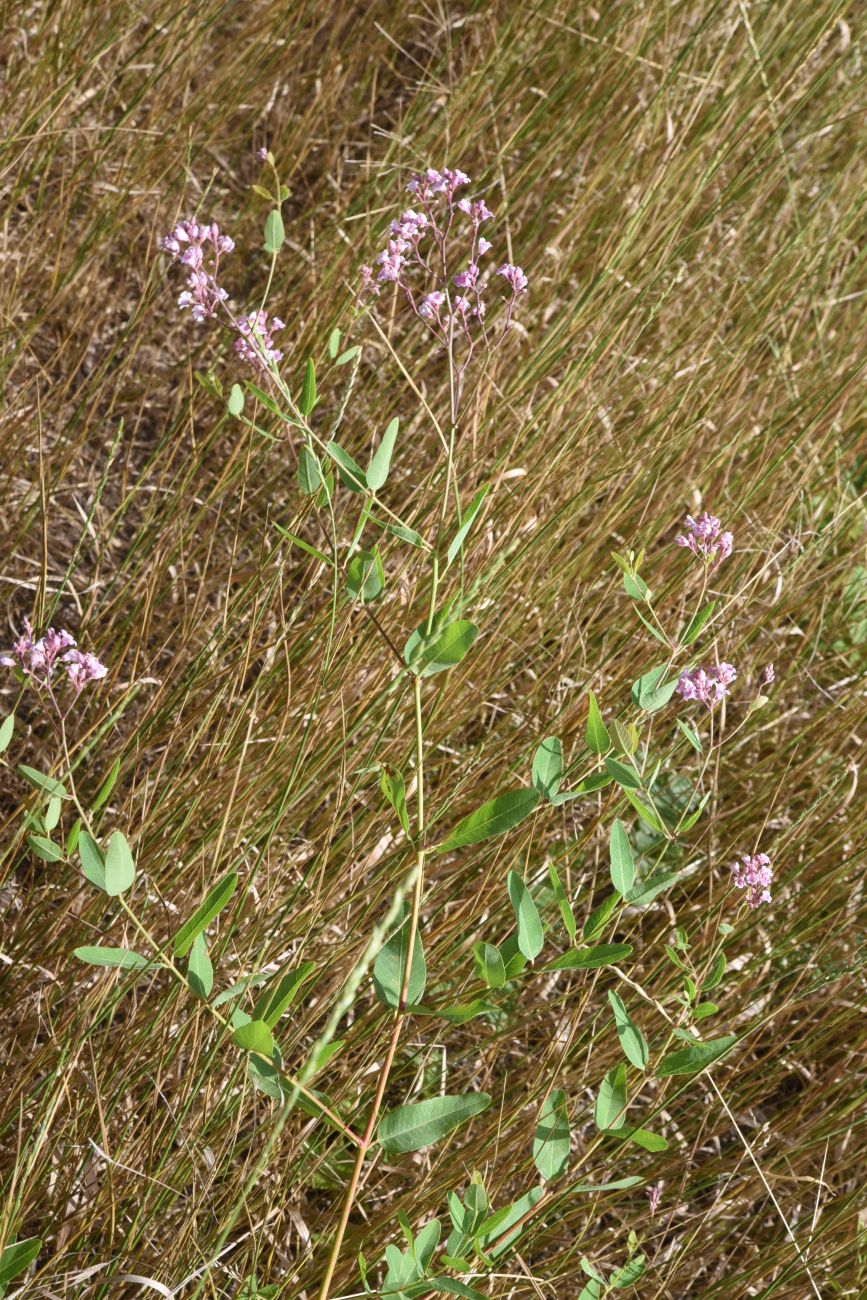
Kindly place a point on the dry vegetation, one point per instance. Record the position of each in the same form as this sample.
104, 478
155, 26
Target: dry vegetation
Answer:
684, 185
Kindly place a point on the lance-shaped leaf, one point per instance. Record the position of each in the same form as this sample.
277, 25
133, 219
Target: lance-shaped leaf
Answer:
651, 691
622, 862
548, 767
551, 1142
377, 470
365, 577
495, 817
420, 1124
596, 735
275, 233
610, 1110
603, 954
393, 786
531, 935
466, 524
565, 907
16, 1257
281, 993
489, 964
200, 971
631, 1038
390, 966
214, 902
120, 958
689, 1060
351, 474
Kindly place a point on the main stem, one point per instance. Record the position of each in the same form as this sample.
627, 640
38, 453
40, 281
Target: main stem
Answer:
373, 1118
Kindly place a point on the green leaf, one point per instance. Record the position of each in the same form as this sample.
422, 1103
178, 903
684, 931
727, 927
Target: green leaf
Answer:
377, 470
7, 727
551, 1143
622, 862
280, 993
275, 233
365, 577
200, 971
616, 1185
705, 1009
644, 891
435, 652
92, 864
495, 1229
596, 735
610, 1110
566, 913
446, 1286
352, 476
235, 404
390, 966
107, 786
635, 587
548, 767
43, 782
592, 1291
405, 534
466, 524
629, 1274
458, 1015
513, 959
690, 733
495, 817
52, 813
122, 958
697, 623
632, 1040
603, 954
44, 848
644, 812
716, 972
17, 1256
214, 902
689, 1060
490, 965
642, 1137
119, 865
627, 777
310, 478
420, 1124
349, 355
333, 343
393, 786
308, 389
254, 1036
531, 935
650, 692
600, 916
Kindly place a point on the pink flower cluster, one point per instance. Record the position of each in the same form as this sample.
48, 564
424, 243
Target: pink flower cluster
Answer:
255, 344
199, 247
754, 873
39, 658
422, 253
705, 538
709, 686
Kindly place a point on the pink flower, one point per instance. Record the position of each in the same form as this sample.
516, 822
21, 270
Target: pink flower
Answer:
484, 245
709, 686
39, 659
467, 279
199, 247
705, 538
514, 276
255, 344
477, 211
654, 1196
768, 675
262, 154
430, 305
754, 873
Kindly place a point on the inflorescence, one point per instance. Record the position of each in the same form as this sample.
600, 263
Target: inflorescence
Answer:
40, 659
445, 285
705, 538
754, 873
709, 686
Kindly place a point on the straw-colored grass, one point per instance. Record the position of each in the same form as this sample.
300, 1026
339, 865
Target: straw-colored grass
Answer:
684, 185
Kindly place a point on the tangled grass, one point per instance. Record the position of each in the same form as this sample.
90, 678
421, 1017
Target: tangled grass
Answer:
684, 184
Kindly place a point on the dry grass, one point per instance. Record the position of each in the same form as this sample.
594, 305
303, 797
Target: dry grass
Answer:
684, 183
